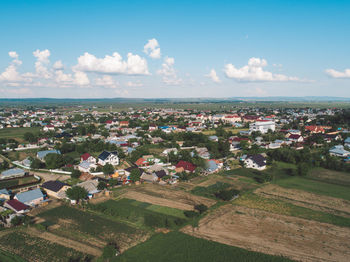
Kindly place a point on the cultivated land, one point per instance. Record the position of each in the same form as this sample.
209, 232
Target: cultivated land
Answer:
18, 132
275, 234
165, 196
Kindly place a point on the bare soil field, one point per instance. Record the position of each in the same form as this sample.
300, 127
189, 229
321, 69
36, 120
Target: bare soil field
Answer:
297, 197
257, 230
166, 196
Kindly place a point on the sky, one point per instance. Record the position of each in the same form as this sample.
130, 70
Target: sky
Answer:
174, 49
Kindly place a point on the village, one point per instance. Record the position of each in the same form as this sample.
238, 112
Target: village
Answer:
81, 155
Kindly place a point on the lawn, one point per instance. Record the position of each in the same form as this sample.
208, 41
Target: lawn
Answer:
179, 247
35, 249
317, 187
141, 213
284, 208
17, 132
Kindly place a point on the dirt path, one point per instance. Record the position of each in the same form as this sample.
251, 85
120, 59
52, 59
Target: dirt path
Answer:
86, 249
327, 204
261, 231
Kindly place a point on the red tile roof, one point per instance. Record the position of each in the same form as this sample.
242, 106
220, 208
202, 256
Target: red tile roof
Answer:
85, 156
186, 165
16, 205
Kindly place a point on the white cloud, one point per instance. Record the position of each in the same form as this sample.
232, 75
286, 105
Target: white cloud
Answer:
81, 78
11, 75
254, 72
134, 84
41, 64
106, 81
213, 76
169, 73
58, 65
337, 74
152, 48
134, 65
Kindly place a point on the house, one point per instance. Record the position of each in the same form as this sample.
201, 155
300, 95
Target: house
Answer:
347, 142
48, 128
295, 138
339, 151
90, 186
86, 166
141, 162
185, 166
151, 178
214, 138
55, 188
314, 129
168, 150
4, 194
263, 126
30, 197
255, 161
160, 173
42, 154
87, 157
16, 206
108, 157
124, 123
12, 173
213, 166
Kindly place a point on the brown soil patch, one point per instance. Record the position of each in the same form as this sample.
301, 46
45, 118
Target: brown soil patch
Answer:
166, 196
327, 204
261, 231
65, 242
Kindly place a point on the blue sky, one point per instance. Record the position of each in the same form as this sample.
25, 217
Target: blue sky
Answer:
200, 49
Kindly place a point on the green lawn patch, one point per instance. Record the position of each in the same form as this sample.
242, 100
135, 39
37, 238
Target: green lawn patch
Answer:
179, 247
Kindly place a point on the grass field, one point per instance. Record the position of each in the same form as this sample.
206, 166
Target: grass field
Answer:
141, 213
317, 187
9, 257
35, 249
179, 247
210, 191
284, 208
87, 223
17, 132
227, 129
330, 176
17, 182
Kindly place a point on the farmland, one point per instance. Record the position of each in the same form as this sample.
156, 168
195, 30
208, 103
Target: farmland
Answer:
17, 133
141, 213
317, 187
35, 249
274, 234
178, 247
17, 182
9, 257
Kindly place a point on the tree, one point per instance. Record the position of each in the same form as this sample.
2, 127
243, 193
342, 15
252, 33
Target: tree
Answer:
75, 173
101, 185
135, 175
108, 169
302, 169
30, 137
36, 163
77, 193
53, 160
201, 208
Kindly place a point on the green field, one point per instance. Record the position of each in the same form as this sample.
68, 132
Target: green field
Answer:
179, 247
210, 191
8, 257
284, 208
17, 182
17, 132
317, 187
141, 213
87, 223
35, 249
330, 176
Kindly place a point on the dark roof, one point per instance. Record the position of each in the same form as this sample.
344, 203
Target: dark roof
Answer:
160, 173
105, 154
129, 169
186, 165
54, 186
258, 159
17, 205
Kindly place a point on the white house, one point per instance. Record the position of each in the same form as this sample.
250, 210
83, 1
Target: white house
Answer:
108, 157
263, 126
256, 162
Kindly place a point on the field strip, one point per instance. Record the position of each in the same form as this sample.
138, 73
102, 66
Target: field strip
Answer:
297, 197
156, 200
86, 249
261, 231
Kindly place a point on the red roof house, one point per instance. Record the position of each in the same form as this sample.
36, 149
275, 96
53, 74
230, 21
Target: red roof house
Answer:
16, 206
187, 166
